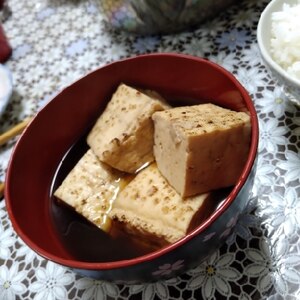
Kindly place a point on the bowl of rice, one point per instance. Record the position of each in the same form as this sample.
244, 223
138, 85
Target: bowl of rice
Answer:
278, 38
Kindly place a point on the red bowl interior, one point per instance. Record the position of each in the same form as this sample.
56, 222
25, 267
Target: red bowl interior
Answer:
63, 120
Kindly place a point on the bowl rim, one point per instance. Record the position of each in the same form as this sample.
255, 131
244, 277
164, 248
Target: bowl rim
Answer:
98, 266
261, 26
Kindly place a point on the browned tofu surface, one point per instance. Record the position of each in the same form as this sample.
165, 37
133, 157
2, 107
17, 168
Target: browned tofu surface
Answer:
149, 207
123, 135
202, 147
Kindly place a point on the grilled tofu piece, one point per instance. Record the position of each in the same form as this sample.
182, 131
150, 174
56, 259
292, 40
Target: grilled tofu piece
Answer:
123, 135
90, 188
149, 209
202, 147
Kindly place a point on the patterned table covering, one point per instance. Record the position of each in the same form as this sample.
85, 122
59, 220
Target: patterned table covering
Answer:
56, 42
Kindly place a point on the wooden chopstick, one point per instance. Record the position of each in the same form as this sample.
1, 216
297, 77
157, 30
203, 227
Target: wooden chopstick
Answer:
5, 137
14, 131
2, 185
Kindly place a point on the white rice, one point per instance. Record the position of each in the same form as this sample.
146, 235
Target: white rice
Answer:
285, 40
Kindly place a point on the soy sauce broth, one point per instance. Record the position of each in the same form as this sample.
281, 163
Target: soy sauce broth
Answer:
85, 241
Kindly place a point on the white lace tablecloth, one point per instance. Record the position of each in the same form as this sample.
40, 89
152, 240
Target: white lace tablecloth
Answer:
56, 42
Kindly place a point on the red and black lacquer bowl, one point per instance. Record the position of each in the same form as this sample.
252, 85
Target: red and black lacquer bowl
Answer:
50, 231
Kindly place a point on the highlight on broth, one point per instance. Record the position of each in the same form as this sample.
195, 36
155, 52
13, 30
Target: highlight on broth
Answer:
147, 174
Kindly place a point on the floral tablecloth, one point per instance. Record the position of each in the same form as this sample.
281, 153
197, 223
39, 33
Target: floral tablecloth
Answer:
56, 42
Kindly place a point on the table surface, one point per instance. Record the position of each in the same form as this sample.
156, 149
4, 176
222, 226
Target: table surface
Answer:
58, 41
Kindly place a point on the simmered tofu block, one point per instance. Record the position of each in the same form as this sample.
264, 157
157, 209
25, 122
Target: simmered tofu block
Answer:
149, 208
202, 147
123, 135
90, 188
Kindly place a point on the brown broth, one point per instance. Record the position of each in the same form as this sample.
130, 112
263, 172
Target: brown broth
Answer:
85, 241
